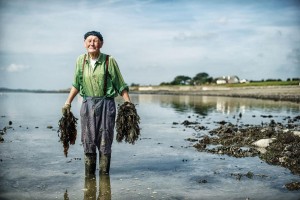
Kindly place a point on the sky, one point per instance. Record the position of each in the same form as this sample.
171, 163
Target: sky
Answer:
152, 41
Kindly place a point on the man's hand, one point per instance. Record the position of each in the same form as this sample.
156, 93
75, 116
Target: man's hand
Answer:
66, 109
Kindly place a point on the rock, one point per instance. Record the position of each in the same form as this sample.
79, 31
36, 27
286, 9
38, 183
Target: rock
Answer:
187, 123
282, 159
262, 150
202, 181
288, 148
3, 131
263, 143
297, 133
191, 140
293, 186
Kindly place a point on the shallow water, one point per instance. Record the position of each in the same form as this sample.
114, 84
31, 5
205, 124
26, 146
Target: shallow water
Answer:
162, 165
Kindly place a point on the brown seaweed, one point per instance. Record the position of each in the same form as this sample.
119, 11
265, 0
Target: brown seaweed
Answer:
67, 130
127, 123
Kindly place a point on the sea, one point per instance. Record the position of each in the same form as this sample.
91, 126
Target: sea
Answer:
162, 164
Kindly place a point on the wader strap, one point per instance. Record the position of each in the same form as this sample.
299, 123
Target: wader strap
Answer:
106, 74
82, 74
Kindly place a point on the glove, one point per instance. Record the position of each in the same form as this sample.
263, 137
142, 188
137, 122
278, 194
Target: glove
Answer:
66, 109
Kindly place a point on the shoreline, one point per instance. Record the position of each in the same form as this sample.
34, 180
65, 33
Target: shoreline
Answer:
276, 93
289, 93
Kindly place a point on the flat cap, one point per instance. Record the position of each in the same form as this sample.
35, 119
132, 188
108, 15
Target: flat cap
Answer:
94, 33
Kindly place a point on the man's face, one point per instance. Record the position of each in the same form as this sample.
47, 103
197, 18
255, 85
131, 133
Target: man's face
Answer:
92, 44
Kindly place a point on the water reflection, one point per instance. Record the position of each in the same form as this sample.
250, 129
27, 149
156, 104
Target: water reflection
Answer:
203, 105
104, 188
90, 185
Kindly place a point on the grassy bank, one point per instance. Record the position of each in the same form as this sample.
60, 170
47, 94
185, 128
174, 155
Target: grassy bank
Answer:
263, 84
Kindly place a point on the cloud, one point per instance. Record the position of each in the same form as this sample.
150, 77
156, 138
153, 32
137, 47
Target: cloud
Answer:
222, 20
15, 68
152, 41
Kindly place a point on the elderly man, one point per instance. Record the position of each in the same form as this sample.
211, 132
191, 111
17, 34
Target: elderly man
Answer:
98, 80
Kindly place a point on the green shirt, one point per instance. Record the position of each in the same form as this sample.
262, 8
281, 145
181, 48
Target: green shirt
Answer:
90, 83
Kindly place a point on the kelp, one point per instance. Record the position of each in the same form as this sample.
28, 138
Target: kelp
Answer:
67, 129
127, 123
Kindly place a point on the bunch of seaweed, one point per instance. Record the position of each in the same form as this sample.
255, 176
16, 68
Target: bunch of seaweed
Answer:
67, 130
127, 123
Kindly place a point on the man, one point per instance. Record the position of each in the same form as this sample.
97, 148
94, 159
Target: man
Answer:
98, 80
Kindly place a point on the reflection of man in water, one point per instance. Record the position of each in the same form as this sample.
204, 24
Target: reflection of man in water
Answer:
91, 188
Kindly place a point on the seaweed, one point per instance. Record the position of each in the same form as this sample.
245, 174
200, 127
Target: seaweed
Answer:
67, 130
127, 123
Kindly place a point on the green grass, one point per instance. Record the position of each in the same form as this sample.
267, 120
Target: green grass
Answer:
263, 83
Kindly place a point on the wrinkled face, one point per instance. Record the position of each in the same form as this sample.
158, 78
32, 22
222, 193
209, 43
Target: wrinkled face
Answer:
92, 44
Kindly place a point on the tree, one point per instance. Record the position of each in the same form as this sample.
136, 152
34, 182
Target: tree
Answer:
202, 78
181, 80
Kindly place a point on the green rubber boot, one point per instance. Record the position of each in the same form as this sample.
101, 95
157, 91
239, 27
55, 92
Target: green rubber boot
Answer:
90, 164
104, 163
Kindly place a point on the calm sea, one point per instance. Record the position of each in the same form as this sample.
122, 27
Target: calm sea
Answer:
161, 165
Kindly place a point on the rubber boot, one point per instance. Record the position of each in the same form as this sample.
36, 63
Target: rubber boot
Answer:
90, 164
104, 163
104, 187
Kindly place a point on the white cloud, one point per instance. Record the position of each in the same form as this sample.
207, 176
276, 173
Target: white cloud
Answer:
15, 68
222, 20
153, 41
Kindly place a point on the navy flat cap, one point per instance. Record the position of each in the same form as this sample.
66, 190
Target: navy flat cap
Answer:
94, 33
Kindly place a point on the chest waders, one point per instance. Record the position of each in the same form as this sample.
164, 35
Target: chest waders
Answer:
97, 124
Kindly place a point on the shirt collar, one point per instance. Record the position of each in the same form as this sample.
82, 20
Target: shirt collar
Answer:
99, 60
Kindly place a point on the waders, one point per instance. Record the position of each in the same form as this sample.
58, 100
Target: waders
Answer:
90, 164
104, 163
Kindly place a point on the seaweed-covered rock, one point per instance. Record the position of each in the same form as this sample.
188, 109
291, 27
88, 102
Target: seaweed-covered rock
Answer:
284, 151
281, 145
293, 186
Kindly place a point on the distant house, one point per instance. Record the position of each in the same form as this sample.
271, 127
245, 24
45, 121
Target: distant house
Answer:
227, 79
244, 81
